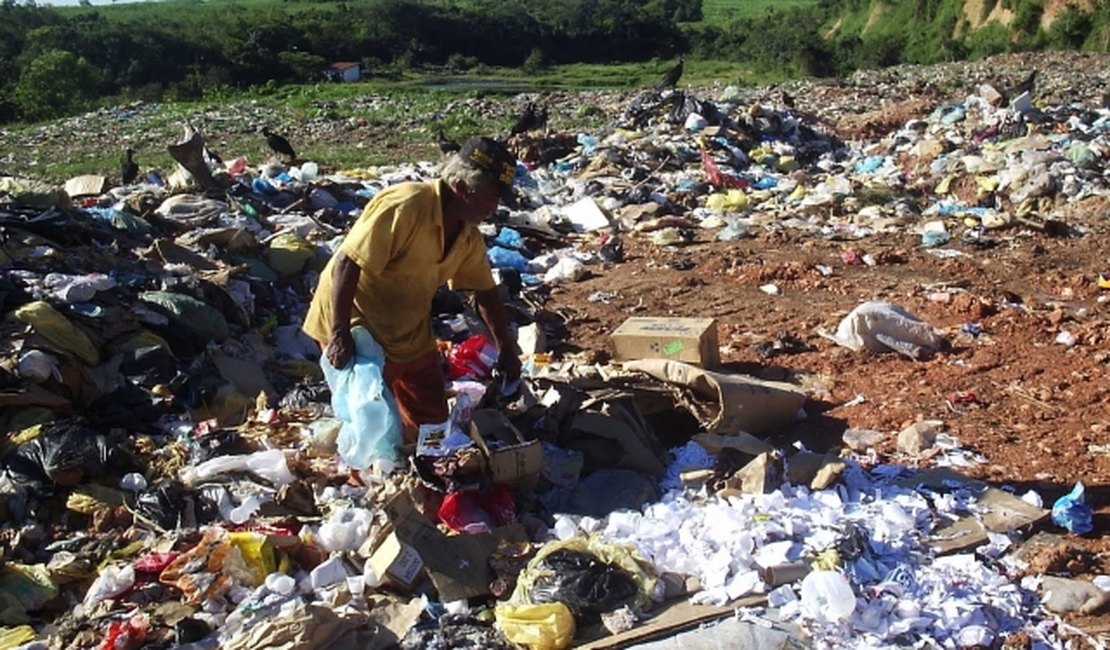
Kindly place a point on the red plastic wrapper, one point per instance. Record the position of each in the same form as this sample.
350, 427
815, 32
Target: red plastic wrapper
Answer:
127, 634
476, 512
716, 177
154, 562
474, 358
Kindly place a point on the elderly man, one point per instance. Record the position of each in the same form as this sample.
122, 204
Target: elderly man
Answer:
410, 240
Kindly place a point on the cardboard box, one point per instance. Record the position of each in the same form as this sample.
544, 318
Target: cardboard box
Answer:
396, 561
458, 565
690, 340
512, 459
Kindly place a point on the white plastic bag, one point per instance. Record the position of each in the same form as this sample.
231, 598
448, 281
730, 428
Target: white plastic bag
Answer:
345, 530
371, 431
883, 326
269, 465
827, 596
112, 581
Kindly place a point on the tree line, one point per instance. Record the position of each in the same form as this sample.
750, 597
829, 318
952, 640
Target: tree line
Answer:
54, 63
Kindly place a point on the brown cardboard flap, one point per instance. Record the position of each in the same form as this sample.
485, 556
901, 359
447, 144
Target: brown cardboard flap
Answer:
1000, 511
670, 618
735, 402
458, 565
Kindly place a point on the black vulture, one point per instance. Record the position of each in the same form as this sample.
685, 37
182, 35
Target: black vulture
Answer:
527, 120
446, 145
670, 80
128, 169
1029, 85
278, 143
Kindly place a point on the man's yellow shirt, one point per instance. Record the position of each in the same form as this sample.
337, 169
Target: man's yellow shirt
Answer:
398, 244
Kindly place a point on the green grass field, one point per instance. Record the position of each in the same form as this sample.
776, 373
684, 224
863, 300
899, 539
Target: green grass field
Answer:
724, 11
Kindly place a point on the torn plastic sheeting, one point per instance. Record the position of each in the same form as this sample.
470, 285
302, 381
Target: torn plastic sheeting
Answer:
50, 324
884, 326
733, 403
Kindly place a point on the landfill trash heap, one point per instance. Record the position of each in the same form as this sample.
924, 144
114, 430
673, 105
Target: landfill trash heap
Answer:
170, 469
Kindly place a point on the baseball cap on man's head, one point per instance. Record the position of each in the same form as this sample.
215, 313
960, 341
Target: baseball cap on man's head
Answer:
494, 159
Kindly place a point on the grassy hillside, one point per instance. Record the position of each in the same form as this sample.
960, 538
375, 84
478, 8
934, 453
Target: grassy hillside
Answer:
927, 31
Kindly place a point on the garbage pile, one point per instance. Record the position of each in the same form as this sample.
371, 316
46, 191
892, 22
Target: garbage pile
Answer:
176, 471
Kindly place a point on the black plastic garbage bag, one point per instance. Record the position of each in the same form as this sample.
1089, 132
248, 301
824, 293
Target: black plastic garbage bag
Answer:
454, 632
149, 366
305, 395
67, 455
171, 505
129, 407
585, 584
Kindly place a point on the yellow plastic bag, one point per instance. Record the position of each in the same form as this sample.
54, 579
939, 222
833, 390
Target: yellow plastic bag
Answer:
51, 325
259, 555
142, 339
288, 254
537, 627
734, 200
13, 637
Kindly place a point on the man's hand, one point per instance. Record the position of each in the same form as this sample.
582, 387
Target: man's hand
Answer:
341, 348
508, 362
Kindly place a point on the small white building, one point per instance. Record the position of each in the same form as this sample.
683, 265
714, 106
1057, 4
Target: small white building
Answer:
344, 71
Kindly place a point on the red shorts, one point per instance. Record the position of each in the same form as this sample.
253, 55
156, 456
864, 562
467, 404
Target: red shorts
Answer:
418, 389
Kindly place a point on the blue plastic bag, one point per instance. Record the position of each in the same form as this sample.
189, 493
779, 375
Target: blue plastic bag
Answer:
371, 431
506, 258
1071, 511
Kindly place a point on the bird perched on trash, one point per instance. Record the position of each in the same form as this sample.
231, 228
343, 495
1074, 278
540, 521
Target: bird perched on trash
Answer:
529, 120
278, 143
670, 80
446, 145
128, 169
1029, 85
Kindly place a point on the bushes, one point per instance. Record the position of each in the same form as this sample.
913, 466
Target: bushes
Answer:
56, 83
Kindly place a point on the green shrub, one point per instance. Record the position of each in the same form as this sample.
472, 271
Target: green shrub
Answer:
535, 62
56, 83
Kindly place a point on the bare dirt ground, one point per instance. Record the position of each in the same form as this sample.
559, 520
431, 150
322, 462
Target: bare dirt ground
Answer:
1037, 410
